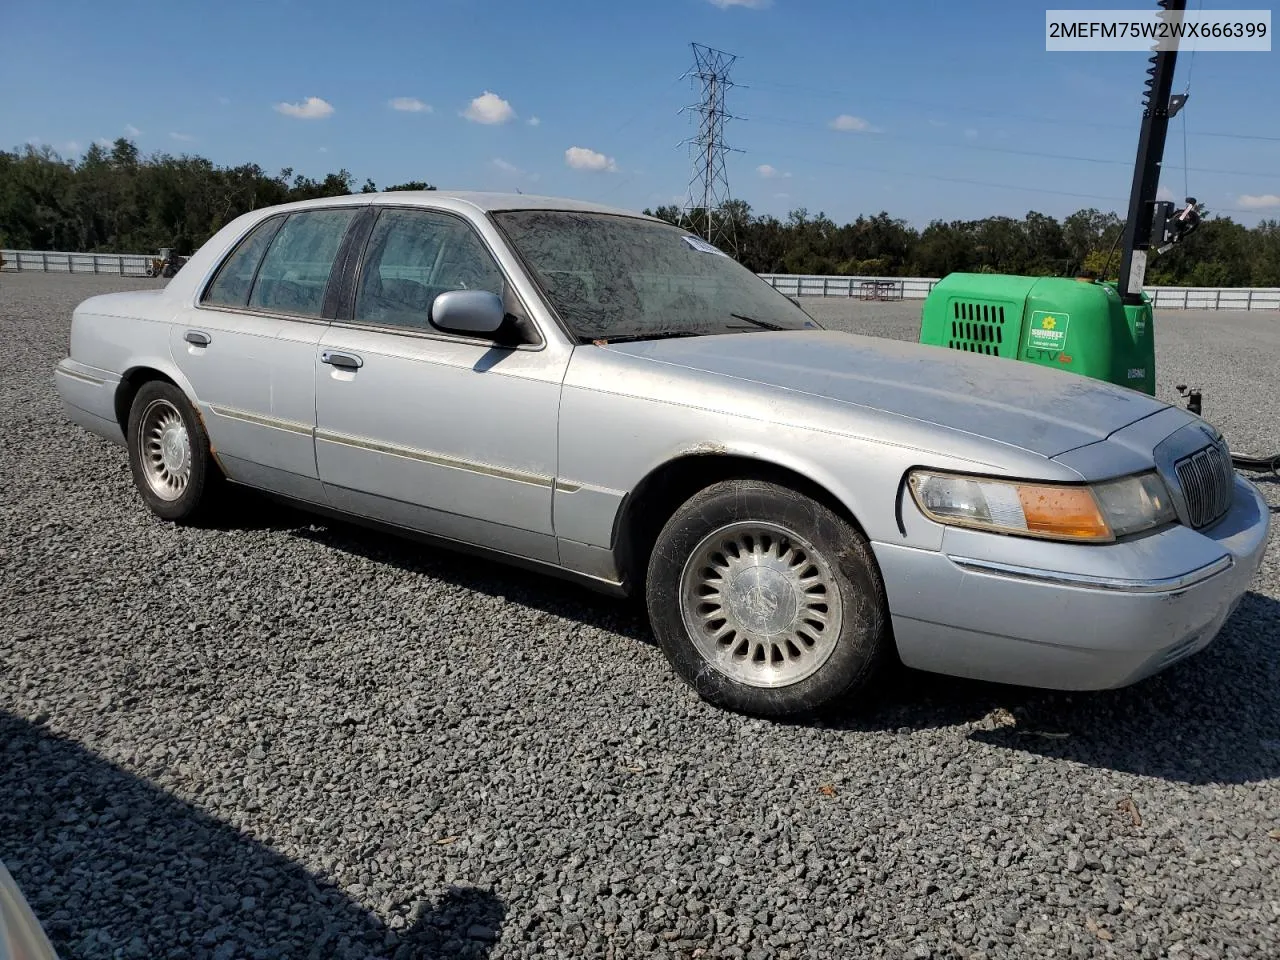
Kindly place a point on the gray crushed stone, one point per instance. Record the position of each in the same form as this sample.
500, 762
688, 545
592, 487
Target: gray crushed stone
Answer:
285, 737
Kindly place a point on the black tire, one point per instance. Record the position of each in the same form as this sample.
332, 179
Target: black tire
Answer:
855, 651
204, 484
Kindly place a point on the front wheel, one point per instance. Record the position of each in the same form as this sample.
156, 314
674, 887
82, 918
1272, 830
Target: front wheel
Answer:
767, 602
169, 454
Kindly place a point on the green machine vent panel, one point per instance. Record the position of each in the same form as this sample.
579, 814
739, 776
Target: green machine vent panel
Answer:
980, 328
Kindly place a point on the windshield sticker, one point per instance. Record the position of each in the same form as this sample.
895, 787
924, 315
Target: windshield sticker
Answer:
704, 247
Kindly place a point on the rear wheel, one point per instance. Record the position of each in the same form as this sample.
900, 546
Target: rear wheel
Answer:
767, 602
169, 454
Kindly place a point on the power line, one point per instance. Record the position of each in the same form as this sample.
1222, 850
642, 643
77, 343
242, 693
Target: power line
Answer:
833, 94
865, 168
709, 186
968, 181
988, 148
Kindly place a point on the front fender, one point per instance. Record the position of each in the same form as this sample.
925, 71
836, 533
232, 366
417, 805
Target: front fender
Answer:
610, 443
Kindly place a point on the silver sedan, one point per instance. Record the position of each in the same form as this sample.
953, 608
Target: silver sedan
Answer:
604, 396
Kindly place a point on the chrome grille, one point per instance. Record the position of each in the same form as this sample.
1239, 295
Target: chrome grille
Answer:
1207, 479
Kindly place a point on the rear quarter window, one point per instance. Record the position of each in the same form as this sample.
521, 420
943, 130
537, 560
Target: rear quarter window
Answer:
231, 285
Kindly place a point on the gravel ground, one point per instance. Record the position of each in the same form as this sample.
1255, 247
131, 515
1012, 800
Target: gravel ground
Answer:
290, 738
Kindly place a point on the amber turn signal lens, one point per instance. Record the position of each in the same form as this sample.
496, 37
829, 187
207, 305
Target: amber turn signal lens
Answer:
1062, 512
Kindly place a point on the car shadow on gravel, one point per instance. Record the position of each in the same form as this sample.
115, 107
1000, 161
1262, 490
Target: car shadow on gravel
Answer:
528, 588
1213, 718
252, 511
115, 867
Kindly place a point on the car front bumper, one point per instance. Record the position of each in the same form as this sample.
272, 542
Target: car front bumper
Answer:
1072, 616
88, 398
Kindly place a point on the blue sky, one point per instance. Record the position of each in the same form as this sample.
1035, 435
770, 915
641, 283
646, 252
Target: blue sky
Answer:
939, 95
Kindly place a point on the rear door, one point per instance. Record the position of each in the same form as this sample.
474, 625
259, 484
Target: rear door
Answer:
452, 435
247, 347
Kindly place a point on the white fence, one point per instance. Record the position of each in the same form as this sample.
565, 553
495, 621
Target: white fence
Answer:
917, 288
894, 288
1215, 298
881, 288
60, 261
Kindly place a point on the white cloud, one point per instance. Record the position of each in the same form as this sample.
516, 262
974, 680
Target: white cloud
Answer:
509, 169
103, 142
184, 137
770, 172
971, 134
580, 158
409, 105
1164, 193
535, 122
324, 149
131, 131
489, 108
312, 108
851, 124
751, 4
1259, 201
937, 123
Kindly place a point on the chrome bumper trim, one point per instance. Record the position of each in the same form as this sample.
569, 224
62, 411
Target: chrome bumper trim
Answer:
1163, 585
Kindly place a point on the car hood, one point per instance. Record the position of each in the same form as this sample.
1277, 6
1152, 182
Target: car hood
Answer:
1040, 409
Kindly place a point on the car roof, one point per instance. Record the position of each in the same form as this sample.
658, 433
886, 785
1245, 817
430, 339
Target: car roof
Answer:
479, 200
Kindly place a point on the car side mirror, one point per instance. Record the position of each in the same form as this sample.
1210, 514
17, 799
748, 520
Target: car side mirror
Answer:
468, 312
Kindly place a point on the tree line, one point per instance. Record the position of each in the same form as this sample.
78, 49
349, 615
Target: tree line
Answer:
114, 200
1219, 253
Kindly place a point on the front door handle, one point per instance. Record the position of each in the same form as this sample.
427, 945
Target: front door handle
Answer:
199, 338
347, 361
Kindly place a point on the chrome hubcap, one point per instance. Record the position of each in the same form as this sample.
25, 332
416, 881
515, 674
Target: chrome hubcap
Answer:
760, 604
166, 450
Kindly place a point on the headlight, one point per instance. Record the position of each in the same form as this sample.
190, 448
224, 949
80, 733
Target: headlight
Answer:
1097, 513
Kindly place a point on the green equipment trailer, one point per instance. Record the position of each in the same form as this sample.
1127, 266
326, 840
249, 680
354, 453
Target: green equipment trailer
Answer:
1078, 325
1093, 328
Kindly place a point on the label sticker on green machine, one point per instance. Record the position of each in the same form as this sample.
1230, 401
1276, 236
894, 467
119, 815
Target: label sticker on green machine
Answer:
1048, 330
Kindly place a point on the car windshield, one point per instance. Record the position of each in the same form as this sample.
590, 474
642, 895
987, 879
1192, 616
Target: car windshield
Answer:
614, 277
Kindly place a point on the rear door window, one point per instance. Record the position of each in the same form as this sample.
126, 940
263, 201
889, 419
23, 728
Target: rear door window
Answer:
295, 272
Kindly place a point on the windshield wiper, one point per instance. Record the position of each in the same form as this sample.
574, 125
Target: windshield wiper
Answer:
764, 324
656, 335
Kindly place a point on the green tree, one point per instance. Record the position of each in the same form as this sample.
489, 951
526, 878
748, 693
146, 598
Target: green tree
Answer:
113, 199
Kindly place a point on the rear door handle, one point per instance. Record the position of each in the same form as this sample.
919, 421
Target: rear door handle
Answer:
347, 361
197, 337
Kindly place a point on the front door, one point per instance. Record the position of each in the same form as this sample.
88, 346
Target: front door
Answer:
451, 435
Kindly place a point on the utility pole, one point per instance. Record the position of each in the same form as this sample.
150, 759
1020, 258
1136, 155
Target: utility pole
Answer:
709, 186
1157, 110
